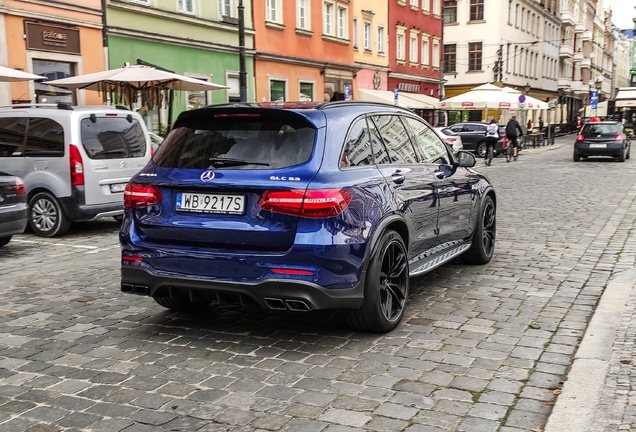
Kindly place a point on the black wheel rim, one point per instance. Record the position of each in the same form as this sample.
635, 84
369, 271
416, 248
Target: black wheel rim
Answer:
489, 228
393, 281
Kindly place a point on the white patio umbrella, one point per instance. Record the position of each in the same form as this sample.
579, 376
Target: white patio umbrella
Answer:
486, 96
14, 75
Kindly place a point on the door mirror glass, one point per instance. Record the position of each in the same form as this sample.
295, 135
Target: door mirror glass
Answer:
466, 159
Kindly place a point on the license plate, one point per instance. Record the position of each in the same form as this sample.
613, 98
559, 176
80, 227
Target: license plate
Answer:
120, 187
211, 203
598, 145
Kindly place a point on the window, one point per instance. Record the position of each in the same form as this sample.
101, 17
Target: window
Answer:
112, 138
414, 3
517, 16
197, 99
380, 39
476, 10
355, 33
400, 46
305, 91
436, 7
367, 36
425, 51
53, 70
186, 6
343, 32
226, 8
426, 6
413, 49
45, 137
12, 133
450, 11
474, 56
273, 11
328, 19
509, 11
357, 148
429, 146
396, 138
436, 54
450, 58
304, 17
277, 90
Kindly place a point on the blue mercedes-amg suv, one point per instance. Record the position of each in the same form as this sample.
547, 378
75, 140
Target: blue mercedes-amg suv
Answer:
302, 206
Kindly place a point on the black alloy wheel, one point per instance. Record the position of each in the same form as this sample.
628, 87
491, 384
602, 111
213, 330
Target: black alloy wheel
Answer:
481, 149
386, 287
484, 235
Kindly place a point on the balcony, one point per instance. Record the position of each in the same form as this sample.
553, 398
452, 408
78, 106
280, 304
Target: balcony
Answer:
579, 28
578, 56
567, 18
587, 36
586, 63
564, 83
576, 86
566, 51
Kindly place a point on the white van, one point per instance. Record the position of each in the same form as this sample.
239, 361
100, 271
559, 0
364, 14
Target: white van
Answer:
75, 161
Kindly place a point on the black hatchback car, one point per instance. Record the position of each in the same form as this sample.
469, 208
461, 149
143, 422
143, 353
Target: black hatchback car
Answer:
474, 137
302, 207
602, 138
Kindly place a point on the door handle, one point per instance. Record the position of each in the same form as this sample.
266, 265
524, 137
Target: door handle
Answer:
397, 177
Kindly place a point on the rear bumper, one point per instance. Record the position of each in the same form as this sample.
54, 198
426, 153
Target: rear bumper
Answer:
76, 209
13, 220
271, 293
612, 149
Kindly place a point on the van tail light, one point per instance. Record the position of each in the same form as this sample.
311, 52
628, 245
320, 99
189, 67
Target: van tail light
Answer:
580, 138
77, 167
20, 189
313, 203
619, 137
136, 196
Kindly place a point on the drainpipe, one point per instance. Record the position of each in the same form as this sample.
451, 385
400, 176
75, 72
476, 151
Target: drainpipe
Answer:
105, 35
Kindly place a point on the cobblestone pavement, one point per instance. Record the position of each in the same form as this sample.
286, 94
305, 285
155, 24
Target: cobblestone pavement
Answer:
481, 349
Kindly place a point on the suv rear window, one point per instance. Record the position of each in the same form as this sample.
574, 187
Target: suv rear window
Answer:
251, 141
112, 138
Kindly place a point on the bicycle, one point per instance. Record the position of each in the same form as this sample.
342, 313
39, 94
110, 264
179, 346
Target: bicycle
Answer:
508, 148
489, 155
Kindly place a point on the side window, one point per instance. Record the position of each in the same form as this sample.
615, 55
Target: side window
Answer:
430, 147
12, 132
357, 146
396, 138
380, 153
45, 137
456, 128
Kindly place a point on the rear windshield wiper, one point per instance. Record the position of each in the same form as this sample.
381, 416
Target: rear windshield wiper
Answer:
227, 162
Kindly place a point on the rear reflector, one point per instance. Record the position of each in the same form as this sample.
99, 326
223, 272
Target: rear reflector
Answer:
20, 189
131, 258
292, 271
136, 196
317, 203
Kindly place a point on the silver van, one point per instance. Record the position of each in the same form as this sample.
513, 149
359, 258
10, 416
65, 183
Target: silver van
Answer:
75, 161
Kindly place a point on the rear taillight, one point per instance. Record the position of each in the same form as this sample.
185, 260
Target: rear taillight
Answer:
136, 196
580, 138
77, 167
619, 137
451, 140
20, 189
317, 203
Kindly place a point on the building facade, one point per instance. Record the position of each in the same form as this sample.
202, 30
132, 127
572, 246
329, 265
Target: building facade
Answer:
53, 39
193, 38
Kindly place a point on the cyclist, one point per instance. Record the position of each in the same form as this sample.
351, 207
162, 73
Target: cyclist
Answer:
492, 136
511, 134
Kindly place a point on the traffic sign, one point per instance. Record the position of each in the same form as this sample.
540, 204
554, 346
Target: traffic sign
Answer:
395, 96
522, 105
347, 92
551, 105
522, 99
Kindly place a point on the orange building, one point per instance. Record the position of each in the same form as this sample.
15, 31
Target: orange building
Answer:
52, 39
303, 51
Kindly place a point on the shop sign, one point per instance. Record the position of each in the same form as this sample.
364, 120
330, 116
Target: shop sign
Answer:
407, 87
46, 37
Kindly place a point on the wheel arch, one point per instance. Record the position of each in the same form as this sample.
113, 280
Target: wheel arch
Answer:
392, 222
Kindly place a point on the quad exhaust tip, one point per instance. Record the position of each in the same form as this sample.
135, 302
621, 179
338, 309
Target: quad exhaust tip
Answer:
135, 289
293, 305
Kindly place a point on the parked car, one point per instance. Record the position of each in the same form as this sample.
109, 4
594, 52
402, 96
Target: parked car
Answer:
474, 137
13, 207
302, 207
155, 141
75, 161
607, 138
453, 139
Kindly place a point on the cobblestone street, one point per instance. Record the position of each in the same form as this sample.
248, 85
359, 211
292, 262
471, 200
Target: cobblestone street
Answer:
481, 349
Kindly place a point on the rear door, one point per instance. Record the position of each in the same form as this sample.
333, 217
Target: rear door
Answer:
114, 147
217, 170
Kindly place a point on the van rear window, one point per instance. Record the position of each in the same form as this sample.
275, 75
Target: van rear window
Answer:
238, 142
113, 138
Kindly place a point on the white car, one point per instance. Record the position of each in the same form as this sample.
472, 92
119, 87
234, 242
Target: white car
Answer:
453, 139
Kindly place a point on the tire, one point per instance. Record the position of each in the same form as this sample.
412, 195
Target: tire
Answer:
384, 297
484, 235
5, 240
508, 153
481, 149
621, 157
182, 305
576, 157
119, 218
489, 156
46, 217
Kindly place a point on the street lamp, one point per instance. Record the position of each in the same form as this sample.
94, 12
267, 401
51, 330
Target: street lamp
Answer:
527, 88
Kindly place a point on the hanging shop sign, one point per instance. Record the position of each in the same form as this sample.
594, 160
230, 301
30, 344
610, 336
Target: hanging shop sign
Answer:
47, 37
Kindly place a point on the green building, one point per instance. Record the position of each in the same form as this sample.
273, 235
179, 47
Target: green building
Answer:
190, 37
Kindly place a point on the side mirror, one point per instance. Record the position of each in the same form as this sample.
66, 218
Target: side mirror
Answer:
466, 159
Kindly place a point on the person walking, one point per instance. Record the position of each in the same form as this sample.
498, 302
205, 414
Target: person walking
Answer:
540, 124
511, 134
492, 136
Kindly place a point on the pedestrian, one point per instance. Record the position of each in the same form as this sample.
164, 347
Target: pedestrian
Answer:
579, 123
492, 136
540, 124
511, 134
529, 126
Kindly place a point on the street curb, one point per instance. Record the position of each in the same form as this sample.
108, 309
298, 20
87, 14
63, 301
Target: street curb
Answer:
575, 409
